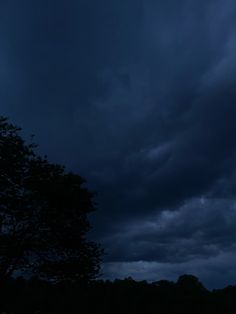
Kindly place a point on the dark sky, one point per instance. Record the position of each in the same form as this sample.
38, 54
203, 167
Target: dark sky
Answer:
139, 97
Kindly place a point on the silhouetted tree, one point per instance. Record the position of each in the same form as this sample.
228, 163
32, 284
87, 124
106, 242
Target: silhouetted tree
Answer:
43, 214
190, 283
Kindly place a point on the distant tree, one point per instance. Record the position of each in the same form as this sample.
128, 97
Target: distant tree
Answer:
166, 284
190, 283
43, 214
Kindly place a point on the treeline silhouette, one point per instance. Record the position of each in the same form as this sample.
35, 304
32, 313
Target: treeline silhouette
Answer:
187, 295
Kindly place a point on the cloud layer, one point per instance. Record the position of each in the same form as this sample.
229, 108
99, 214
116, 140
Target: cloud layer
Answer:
138, 97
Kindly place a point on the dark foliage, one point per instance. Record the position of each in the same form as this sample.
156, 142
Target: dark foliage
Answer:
186, 296
43, 215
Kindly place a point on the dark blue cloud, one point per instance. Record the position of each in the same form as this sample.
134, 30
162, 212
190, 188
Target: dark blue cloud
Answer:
138, 97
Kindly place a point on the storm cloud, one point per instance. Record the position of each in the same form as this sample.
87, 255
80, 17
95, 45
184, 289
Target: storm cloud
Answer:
139, 97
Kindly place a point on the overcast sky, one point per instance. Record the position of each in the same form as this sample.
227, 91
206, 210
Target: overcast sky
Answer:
139, 97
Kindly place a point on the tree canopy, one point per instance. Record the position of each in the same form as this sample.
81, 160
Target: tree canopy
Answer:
43, 214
